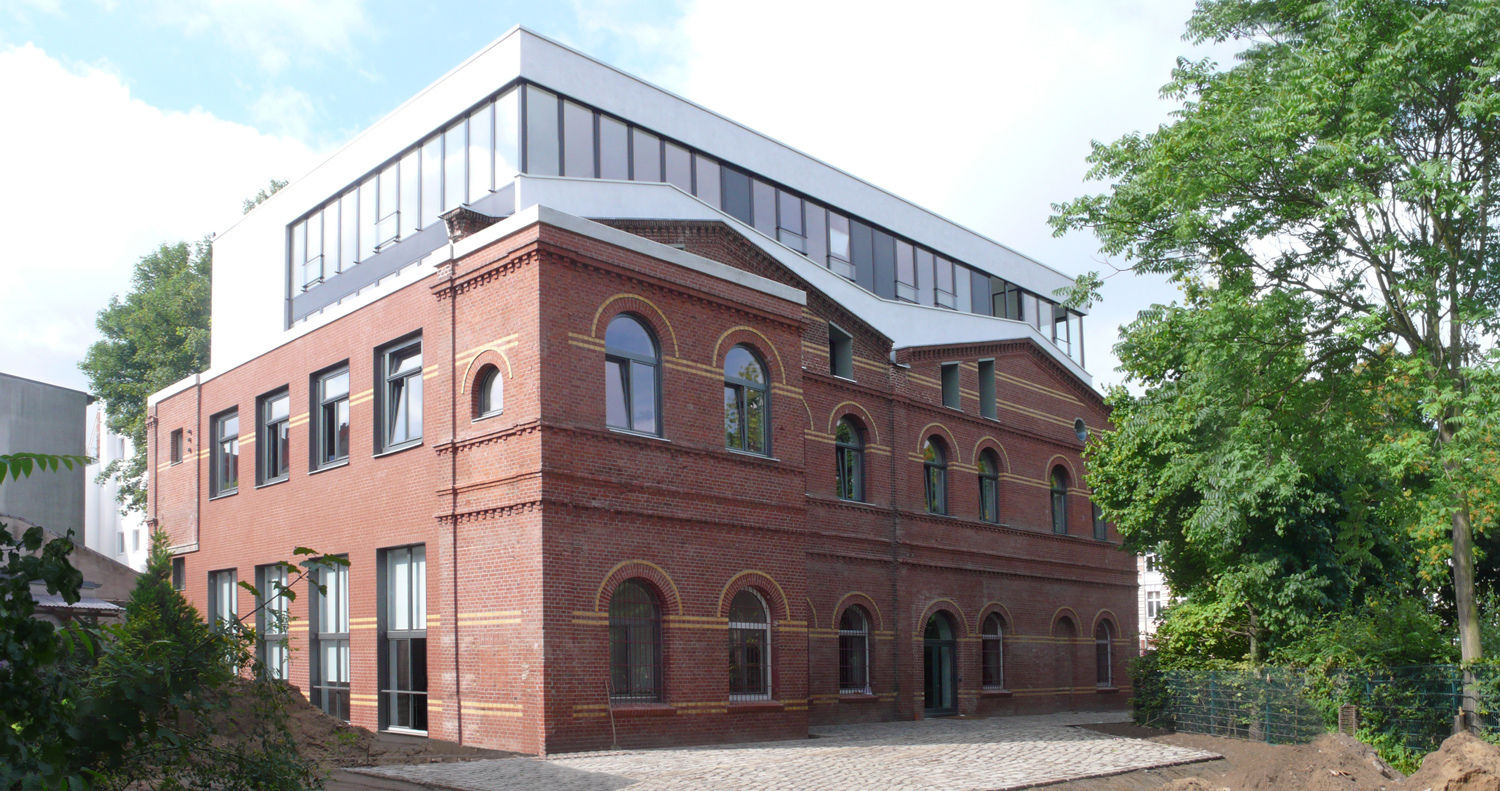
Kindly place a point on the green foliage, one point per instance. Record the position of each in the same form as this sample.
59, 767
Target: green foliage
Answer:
1151, 696
260, 196
1317, 425
20, 465
157, 335
1383, 634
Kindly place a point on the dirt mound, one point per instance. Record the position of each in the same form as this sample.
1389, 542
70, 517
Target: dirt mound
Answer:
1463, 763
1333, 762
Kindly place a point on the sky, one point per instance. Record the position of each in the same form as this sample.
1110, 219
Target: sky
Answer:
127, 125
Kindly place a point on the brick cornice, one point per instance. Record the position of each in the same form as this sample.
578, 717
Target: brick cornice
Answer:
498, 435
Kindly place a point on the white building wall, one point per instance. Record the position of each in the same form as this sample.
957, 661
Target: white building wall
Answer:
105, 530
1151, 585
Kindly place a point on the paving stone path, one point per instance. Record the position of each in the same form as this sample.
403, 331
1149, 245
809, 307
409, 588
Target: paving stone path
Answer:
931, 755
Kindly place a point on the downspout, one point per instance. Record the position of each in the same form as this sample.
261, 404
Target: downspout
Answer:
198, 469
901, 646
458, 694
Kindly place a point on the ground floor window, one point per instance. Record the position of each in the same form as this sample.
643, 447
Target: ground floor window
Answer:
749, 647
992, 652
329, 625
404, 634
1102, 655
854, 652
634, 643
272, 618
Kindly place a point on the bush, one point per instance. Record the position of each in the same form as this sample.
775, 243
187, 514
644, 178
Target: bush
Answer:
1151, 703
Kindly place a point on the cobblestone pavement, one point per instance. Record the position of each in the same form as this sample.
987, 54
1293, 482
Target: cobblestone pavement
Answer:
936, 755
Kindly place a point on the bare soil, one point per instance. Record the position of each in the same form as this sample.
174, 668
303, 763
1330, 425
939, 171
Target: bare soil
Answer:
336, 744
1333, 762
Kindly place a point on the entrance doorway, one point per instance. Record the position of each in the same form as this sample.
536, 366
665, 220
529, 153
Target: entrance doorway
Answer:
939, 667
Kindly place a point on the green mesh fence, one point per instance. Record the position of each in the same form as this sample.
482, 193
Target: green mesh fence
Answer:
1413, 706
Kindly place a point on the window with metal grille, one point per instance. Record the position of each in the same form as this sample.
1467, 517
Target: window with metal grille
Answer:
849, 450
854, 652
272, 619
404, 635
747, 402
634, 644
632, 376
749, 647
992, 652
329, 625
935, 475
1103, 657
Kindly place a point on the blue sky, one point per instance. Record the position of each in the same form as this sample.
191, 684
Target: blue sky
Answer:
165, 114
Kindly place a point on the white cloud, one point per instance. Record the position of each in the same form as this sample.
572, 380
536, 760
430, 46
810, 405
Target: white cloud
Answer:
285, 111
94, 180
275, 32
979, 111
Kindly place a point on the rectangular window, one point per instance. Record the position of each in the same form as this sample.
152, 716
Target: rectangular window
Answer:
815, 219
987, 389
400, 388
926, 294
736, 194
455, 140
906, 272
614, 149
223, 599
387, 207
179, 574
410, 207
1101, 528
840, 352
507, 138
1060, 329
481, 148
678, 165
951, 395
763, 207
578, 141
349, 229
176, 446
943, 280
273, 435
299, 253
403, 694
272, 621
1007, 300
329, 259
312, 262
432, 180
225, 477
328, 623
979, 300
369, 220
838, 246
120, 542
330, 416
706, 180
789, 225
645, 154
543, 141
1151, 563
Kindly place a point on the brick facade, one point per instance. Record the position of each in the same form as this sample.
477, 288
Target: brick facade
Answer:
532, 517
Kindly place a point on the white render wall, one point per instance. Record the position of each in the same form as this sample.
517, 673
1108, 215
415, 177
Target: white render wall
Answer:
123, 538
250, 272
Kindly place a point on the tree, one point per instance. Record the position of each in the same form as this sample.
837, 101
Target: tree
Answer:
157, 335
1348, 159
260, 196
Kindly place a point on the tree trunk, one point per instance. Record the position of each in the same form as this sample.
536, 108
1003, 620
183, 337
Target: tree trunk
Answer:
1467, 610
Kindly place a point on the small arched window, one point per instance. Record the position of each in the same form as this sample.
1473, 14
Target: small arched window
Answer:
992, 652
489, 392
632, 384
989, 487
747, 402
854, 652
849, 449
749, 647
634, 643
1103, 656
935, 475
1059, 500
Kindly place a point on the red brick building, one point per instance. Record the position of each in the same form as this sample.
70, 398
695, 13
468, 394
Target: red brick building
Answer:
582, 438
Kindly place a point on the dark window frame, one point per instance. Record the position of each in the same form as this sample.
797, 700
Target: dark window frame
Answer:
840, 352
854, 652
319, 418
849, 461
330, 696
1104, 670
988, 403
404, 685
989, 486
1059, 491
635, 644
740, 389
273, 460
992, 652
179, 573
627, 360
951, 380
224, 447
273, 622
391, 387
935, 475
484, 396
175, 446
750, 672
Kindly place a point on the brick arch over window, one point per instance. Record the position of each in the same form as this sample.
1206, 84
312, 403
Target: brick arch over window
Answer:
1062, 614
943, 432
1075, 480
997, 607
988, 442
861, 417
643, 308
757, 342
671, 601
1106, 616
488, 356
948, 606
764, 584
862, 599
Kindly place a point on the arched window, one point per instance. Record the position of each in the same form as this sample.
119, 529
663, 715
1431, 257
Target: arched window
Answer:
489, 392
634, 643
992, 652
989, 487
749, 647
747, 403
854, 652
632, 384
1059, 500
1104, 666
849, 449
935, 475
